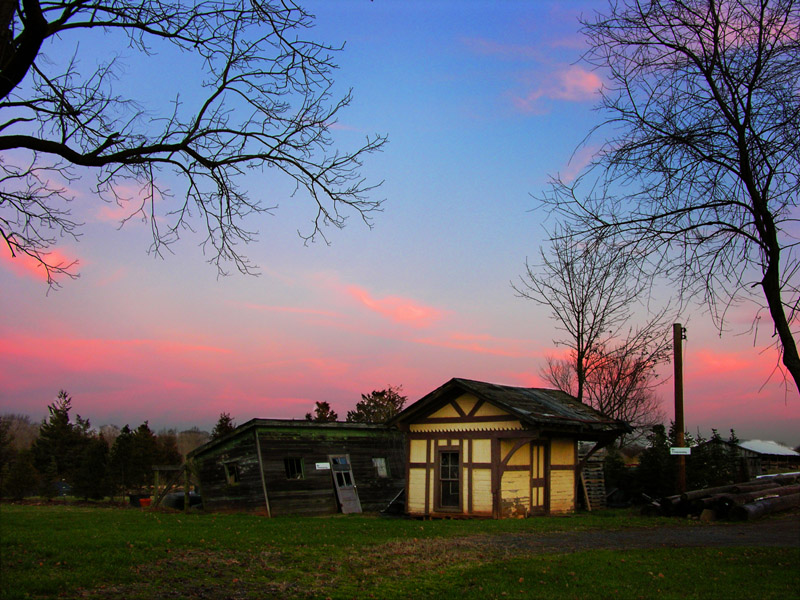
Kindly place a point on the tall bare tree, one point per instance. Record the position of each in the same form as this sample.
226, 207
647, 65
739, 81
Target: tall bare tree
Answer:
256, 96
700, 167
592, 290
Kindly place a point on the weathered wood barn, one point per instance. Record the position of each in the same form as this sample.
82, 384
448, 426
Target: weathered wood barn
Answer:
278, 467
479, 449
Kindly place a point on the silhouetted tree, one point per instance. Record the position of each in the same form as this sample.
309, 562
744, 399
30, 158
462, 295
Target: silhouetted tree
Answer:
20, 477
167, 443
223, 427
699, 175
378, 406
593, 293
60, 444
92, 478
322, 413
258, 96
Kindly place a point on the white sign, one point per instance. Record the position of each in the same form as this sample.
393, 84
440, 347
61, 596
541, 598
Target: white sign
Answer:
323, 466
680, 451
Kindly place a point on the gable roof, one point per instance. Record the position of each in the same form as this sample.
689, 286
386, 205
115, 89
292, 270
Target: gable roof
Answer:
551, 410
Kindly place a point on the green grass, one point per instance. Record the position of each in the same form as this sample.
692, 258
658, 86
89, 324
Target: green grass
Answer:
70, 551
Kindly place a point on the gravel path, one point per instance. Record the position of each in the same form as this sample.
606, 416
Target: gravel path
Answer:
775, 532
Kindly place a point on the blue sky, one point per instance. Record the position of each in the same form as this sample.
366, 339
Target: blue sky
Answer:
482, 102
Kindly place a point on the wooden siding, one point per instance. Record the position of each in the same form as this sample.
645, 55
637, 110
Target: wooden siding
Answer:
313, 493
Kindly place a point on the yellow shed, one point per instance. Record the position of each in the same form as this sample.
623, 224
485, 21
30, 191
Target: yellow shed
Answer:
478, 449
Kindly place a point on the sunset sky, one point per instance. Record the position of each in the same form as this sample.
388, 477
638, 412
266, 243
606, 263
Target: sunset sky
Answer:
481, 101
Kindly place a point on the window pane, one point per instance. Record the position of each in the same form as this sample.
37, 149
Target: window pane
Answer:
381, 468
449, 479
294, 468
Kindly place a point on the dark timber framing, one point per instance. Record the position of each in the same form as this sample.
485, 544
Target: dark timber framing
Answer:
500, 433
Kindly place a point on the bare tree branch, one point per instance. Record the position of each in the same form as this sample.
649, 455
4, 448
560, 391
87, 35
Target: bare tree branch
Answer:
266, 105
700, 169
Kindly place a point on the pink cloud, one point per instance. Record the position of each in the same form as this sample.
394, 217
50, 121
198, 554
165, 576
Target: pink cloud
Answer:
579, 160
571, 84
397, 309
24, 265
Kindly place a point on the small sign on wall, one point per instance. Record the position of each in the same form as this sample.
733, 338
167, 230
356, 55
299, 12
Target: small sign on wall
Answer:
323, 466
680, 451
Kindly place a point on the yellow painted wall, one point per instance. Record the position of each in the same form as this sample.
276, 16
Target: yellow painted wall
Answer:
417, 451
446, 411
481, 451
482, 490
515, 494
521, 457
562, 491
416, 491
562, 452
490, 410
467, 403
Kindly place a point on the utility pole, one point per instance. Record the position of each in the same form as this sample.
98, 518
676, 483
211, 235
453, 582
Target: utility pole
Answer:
678, 335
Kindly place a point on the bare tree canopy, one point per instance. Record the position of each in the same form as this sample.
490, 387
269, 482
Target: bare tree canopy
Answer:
700, 171
264, 102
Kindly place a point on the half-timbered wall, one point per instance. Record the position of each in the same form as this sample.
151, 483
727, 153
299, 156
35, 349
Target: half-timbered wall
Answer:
503, 470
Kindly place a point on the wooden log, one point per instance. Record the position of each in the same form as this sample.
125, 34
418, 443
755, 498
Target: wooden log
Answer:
702, 493
759, 508
753, 486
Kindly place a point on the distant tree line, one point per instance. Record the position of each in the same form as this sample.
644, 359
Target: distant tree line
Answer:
66, 456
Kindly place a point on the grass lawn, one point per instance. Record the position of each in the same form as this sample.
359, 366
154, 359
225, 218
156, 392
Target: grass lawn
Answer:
87, 552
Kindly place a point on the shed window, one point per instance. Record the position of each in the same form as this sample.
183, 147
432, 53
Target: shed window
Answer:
294, 468
231, 473
449, 480
381, 468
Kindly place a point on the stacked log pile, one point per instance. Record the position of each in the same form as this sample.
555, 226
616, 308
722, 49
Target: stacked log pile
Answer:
741, 502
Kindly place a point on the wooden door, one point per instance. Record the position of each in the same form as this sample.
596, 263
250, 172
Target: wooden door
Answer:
346, 490
539, 491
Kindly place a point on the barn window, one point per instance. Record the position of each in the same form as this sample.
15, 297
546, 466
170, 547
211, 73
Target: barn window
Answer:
231, 473
381, 468
294, 468
449, 480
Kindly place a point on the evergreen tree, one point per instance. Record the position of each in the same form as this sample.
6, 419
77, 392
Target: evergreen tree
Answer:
91, 478
322, 414
20, 477
167, 448
57, 450
657, 469
378, 407
223, 427
121, 460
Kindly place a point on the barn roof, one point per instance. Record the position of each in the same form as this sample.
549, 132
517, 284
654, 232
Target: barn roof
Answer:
541, 408
768, 447
301, 427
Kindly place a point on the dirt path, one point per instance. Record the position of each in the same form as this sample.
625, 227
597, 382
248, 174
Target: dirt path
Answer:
775, 532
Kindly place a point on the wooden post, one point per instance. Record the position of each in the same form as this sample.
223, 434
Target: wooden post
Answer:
186, 486
261, 470
678, 333
156, 486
